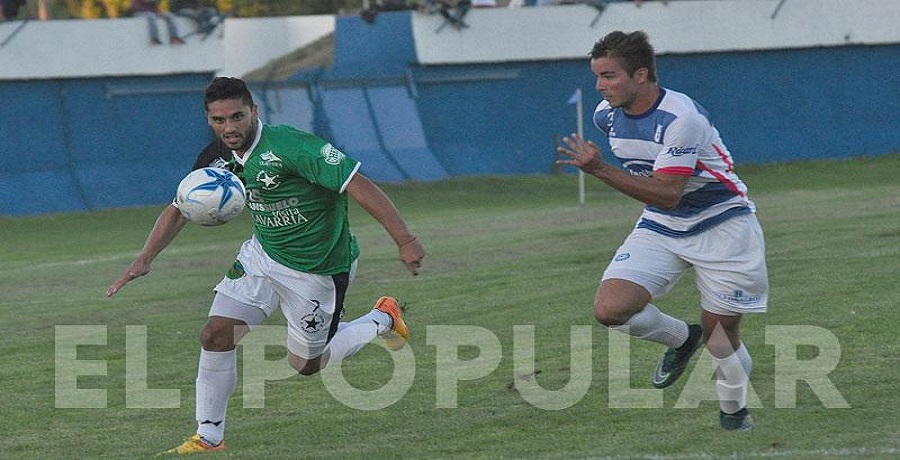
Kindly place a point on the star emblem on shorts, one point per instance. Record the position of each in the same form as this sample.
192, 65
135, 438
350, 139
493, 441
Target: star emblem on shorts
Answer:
312, 323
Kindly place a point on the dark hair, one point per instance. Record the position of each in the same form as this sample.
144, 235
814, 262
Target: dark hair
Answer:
633, 51
223, 88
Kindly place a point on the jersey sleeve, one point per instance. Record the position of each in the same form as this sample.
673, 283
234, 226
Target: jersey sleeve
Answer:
602, 117
681, 145
215, 154
325, 165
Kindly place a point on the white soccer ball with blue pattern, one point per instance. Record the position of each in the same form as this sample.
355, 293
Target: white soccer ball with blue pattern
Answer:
210, 196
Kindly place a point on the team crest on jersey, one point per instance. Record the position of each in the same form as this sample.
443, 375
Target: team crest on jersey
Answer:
269, 159
332, 155
269, 182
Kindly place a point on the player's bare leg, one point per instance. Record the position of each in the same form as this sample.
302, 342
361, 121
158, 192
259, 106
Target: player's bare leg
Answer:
624, 305
216, 380
733, 365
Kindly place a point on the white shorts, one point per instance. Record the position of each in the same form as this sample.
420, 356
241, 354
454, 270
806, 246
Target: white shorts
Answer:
313, 304
729, 260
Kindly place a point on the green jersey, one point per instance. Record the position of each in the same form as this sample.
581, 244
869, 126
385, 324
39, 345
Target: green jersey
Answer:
295, 192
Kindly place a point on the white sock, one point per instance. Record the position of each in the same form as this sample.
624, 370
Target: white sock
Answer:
382, 319
352, 336
656, 326
746, 360
216, 379
732, 377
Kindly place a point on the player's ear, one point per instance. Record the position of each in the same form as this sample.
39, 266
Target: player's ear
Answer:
642, 74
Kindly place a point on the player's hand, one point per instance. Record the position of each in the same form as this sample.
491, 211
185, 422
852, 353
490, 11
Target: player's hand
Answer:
583, 154
412, 253
136, 270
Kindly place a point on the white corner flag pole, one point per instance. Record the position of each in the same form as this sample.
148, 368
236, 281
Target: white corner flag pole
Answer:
575, 98
580, 124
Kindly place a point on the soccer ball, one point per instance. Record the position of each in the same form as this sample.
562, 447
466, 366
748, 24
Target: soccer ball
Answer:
210, 196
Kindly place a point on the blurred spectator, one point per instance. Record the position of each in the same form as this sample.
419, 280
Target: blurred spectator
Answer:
638, 3
206, 18
10, 9
599, 4
150, 9
44, 10
369, 12
454, 11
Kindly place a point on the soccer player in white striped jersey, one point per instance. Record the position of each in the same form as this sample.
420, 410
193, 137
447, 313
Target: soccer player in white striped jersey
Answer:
697, 214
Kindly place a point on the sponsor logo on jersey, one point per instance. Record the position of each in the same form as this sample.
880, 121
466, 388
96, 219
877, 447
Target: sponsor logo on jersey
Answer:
622, 257
282, 218
276, 206
282, 213
681, 151
268, 158
638, 167
332, 155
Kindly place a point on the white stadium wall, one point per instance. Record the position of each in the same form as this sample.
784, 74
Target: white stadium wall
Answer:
677, 27
117, 47
121, 47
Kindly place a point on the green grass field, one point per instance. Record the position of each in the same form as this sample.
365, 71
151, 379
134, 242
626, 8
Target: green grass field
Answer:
505, 254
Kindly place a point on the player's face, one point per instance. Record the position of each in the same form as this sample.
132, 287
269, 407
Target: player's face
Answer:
614, 83
233, 122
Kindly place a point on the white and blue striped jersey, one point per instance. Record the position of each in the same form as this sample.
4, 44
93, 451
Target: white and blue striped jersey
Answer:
677, 137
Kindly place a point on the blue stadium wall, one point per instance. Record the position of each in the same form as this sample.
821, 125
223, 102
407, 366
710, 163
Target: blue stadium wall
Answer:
410, 122
86, 144
98, 143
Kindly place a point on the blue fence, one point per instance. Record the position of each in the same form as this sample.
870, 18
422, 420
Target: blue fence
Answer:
84, 144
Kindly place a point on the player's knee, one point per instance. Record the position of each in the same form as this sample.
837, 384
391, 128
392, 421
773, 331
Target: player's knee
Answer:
216, 339
305, 366
617, 301
308, 370
609, 316
722, 334
721, 345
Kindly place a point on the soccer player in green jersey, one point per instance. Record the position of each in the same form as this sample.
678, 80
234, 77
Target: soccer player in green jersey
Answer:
301, 257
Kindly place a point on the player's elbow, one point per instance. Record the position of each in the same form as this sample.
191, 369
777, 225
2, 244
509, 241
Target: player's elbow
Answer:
666, 203
668, 191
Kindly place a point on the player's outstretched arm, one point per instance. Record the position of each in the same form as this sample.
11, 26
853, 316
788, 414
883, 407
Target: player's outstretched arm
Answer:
660, 190
168, 224
378, 205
